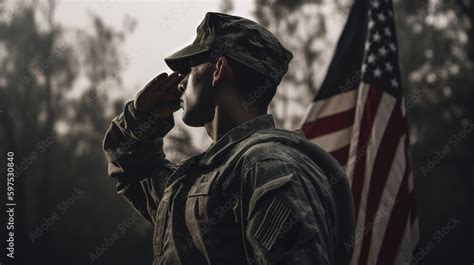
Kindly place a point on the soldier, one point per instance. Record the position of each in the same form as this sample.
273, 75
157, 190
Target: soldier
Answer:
257, 195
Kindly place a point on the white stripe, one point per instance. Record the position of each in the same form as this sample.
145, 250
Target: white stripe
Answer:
405, 250
335, 140
333, 105
387, 201
415, 232
361, 99
384, 111
382, 115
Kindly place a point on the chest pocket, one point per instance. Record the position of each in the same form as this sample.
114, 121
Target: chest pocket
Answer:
197, 218
198, 196
162, 215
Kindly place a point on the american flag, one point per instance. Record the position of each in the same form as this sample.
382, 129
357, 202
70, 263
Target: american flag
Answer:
358, 116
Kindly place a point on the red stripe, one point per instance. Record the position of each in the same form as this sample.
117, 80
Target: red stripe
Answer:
329, 124
382, 165
341, 155
374, 96
398, 221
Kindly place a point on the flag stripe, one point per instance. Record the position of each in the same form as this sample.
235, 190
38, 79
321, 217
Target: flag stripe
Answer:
373, 99
384, 111
382, 165
330, 106
354, 136
405, 203
341, 155
334, 141
396, 226
387, 201
405, 249
329, 124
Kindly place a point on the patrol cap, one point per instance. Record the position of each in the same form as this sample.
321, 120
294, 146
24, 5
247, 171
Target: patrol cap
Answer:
241, 39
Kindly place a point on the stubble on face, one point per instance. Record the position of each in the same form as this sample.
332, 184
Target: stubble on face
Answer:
199, 96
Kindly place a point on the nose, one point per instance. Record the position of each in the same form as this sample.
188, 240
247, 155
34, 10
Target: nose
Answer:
182, 85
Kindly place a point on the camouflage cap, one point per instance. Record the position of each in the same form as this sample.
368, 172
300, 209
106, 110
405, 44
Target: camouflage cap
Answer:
241, 39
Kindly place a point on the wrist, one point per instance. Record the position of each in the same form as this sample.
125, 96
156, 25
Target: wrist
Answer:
146, 125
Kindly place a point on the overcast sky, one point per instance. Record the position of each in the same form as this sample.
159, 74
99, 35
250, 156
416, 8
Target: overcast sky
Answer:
162, 27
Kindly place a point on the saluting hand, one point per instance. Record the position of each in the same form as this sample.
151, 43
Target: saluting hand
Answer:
161, 94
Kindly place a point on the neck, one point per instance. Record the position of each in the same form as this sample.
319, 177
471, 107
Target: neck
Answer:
225, 121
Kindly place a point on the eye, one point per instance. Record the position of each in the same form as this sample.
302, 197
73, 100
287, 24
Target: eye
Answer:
185, 72
181, 87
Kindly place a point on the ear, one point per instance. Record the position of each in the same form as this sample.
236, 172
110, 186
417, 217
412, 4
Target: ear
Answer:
221, 69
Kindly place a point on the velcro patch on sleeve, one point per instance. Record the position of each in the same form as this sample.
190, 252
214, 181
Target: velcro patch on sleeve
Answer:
276, 215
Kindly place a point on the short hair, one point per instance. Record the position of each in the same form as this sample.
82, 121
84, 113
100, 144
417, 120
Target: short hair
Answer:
254, 88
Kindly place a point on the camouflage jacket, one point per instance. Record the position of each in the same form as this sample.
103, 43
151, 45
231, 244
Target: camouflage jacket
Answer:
239, 202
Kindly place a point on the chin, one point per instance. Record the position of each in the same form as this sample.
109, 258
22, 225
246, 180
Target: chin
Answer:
192, 122
195, 118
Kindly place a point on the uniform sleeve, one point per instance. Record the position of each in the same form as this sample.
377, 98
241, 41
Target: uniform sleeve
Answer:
287, 221
133, 146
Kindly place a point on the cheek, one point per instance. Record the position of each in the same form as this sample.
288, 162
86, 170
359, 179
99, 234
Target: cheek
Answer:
191, 94
198, 102
199, 90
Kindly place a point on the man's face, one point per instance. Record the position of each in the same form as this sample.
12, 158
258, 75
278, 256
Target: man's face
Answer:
197, 100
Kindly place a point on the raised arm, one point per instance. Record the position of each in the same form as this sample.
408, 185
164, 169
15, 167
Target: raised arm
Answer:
134, 145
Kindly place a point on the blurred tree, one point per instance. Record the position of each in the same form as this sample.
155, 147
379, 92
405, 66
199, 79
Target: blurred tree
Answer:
435, 41
34, 81
302, 26
56, 102
467, 8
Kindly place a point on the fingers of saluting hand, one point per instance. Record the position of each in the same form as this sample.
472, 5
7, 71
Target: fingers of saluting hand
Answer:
157, 82
172, 83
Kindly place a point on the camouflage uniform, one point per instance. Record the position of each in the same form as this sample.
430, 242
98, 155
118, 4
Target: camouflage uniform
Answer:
259, 195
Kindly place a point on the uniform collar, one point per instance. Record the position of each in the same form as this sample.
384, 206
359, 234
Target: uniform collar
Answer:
236, 135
